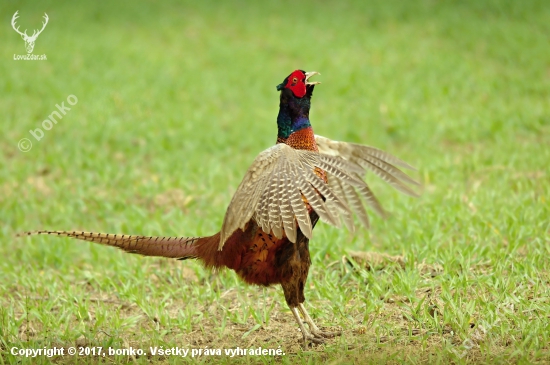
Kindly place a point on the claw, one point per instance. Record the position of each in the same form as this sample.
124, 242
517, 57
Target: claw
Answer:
322, 334
314, 334
314, 339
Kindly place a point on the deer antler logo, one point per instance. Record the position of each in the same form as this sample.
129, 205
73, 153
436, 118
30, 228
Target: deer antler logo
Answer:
29, 41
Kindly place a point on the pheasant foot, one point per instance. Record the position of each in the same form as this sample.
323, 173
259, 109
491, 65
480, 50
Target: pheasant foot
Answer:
315, 331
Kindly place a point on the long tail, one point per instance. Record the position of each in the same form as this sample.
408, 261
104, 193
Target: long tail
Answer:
176, 247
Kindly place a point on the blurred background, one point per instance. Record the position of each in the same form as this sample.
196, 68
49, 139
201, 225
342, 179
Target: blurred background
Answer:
176, 98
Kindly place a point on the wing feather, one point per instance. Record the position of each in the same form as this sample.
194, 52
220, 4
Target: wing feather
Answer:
338, 189
346, 150
356, 204
298, 206
275, 211
317, 204
289, 221
243, 204
385, 173
281, 183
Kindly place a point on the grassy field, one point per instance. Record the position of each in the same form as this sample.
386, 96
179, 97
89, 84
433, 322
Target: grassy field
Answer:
173, 102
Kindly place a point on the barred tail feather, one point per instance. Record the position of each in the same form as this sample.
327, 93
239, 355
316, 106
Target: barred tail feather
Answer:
174, 247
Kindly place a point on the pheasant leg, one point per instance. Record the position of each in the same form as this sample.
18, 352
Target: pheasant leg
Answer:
315, 331
307, 335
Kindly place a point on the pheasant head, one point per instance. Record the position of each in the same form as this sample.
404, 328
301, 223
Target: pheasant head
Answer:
298, 83
295, 101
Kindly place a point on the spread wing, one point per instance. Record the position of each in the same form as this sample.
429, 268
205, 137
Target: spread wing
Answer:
272, 189
379, 162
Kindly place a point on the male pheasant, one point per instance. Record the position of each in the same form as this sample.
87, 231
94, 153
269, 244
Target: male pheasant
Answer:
267, 227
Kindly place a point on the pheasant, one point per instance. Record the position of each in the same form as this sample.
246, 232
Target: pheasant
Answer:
290, 186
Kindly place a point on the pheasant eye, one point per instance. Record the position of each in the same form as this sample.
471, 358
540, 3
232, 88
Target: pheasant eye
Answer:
294, 80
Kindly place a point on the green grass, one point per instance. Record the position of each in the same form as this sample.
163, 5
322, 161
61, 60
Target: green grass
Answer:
175, 99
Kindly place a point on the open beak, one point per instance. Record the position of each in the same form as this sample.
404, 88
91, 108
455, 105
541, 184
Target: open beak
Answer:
308, 75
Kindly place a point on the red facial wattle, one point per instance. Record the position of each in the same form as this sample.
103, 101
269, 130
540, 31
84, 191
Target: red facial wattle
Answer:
296, 83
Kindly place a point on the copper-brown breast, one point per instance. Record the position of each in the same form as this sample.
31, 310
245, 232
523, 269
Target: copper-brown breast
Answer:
304, 139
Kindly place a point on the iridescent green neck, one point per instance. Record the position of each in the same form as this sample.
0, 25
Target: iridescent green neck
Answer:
287, 126
293, 115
